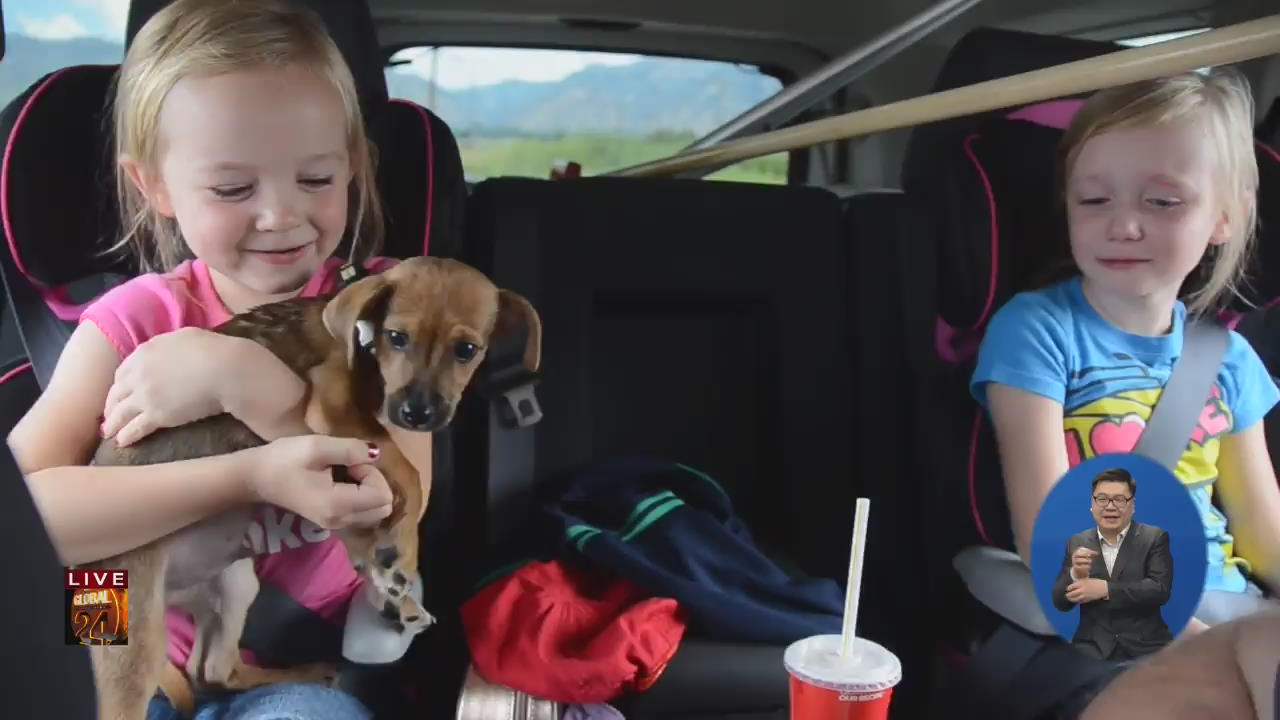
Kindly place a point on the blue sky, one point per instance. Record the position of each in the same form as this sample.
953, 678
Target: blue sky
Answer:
56, 19
457, 68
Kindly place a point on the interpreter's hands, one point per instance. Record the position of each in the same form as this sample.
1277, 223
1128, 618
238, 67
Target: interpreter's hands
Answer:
296, 473
169, 380
1086, 591
1081, 561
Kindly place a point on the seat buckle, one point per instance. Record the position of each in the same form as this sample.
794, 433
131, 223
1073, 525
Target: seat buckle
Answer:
512, 390
520, 407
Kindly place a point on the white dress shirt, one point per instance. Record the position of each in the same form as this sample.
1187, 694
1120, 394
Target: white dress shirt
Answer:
1109, 551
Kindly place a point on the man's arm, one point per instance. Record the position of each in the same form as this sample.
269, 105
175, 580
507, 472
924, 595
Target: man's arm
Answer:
1060, 600
1228, 671
1152, 590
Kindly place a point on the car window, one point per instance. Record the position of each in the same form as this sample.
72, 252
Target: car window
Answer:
44, 35
518, 111
1143, 40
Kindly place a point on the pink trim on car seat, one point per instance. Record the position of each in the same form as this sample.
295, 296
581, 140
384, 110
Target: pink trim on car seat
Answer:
431, 171
56, 298
1268, 150
951, 344
973, 478
1052, 113
995, 232
14, 373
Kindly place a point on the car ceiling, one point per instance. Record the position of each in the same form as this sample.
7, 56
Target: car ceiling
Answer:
794, 34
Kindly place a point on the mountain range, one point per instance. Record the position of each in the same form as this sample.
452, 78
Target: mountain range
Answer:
644, 98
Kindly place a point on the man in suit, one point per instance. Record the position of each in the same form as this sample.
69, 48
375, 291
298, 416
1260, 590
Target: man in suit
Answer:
1120, 573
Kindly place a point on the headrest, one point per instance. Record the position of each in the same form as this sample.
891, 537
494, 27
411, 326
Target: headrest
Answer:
57, 185
1263, 275
57, 181
1269, 128
1002, 228
998, 220
986, 54
349, 22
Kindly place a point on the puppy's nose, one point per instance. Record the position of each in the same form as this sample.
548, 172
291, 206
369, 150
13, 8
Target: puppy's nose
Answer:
416, 415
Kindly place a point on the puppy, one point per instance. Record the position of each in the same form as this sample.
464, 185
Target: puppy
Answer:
391, 349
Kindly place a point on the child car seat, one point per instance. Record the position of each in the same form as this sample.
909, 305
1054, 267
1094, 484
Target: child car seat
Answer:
57, 146
986, 178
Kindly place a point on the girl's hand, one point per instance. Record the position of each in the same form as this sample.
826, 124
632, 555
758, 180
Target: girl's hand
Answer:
169, 380
296, 473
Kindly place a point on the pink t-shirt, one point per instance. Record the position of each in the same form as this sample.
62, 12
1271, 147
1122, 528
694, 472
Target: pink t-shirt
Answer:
302, 559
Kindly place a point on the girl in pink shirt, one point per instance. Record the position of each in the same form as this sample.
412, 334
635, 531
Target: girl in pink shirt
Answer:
242, 165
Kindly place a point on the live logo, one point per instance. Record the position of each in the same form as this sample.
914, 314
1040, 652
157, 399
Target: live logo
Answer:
97, 607
97, 579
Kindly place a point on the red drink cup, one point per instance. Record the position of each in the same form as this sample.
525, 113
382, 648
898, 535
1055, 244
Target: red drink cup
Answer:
826, 686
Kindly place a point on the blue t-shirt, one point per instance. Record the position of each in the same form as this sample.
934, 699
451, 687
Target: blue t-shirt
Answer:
1052, 342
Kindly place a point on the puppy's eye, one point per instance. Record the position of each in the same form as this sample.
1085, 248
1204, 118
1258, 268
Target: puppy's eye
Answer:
465, 351
398, 340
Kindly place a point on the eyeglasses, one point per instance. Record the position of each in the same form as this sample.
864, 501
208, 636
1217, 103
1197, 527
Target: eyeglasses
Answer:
1104, 500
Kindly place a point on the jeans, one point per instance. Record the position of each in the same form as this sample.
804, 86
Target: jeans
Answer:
291, 701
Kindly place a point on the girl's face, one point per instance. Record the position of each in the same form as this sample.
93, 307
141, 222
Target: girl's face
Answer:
1141, 208
254, 167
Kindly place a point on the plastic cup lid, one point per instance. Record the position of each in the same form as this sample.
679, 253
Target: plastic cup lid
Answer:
870, 668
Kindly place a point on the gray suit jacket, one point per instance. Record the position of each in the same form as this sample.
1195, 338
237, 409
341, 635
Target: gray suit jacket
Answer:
1127, 624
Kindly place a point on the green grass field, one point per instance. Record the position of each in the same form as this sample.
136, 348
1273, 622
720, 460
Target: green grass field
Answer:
534, 157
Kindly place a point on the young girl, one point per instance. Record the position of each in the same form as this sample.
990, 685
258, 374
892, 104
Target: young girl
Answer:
1159, 177
243, 164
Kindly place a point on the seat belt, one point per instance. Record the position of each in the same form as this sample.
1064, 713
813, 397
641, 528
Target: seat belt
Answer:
507, 384
1176, 413
1019, 676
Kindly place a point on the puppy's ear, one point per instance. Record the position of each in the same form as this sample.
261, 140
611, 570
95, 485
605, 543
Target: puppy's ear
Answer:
515, 312
354, 315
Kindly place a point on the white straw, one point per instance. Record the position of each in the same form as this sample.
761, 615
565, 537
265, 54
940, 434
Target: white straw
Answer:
853, 589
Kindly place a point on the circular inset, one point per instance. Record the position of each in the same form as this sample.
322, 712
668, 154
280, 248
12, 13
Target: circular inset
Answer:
1118, 556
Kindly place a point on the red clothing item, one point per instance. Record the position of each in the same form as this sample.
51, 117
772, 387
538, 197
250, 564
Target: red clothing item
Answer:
570, 635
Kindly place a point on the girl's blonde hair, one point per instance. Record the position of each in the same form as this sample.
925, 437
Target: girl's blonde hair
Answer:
216, 37
1222, 102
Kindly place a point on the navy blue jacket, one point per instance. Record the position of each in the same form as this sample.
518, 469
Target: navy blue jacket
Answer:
672, 531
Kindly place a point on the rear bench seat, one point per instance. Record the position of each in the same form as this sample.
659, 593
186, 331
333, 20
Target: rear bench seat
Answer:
696, 321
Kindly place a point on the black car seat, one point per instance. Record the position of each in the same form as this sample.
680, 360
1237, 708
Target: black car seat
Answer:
987, 181
56, 146
1268, 130
60, 122
701, 322
892, 286
36, 603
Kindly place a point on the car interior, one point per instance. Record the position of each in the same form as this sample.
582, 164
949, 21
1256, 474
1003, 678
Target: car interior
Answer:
803, 331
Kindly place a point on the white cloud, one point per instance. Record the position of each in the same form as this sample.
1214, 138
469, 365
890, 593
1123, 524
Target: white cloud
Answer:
461, 67
114, 14
59, 27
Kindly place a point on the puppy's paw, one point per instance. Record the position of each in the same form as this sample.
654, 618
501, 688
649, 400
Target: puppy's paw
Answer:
391, 591
407, 614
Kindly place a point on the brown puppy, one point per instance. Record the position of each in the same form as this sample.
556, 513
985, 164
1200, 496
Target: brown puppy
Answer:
392, 349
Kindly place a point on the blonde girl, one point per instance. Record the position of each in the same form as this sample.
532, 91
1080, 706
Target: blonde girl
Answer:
1160, 178
243, 166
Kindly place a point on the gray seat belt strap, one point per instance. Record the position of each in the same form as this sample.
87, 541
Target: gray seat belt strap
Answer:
1178, 410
